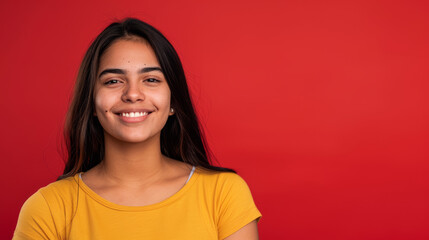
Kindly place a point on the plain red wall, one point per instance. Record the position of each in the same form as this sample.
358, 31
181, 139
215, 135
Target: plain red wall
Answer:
322, 106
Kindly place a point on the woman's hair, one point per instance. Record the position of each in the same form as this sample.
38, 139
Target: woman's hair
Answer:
181, 138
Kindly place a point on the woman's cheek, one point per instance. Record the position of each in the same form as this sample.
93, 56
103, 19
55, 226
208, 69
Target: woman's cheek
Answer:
167, 98
102, 103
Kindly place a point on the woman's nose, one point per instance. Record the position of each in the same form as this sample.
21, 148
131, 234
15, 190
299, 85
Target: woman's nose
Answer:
133, 93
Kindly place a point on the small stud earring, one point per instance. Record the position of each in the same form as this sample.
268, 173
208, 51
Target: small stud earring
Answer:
171, 110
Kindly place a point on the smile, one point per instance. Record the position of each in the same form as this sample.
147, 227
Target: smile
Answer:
133, 114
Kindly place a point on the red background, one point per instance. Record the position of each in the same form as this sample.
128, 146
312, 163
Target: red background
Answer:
322, 106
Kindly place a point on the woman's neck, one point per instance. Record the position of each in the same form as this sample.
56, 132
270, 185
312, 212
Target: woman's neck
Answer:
128, 163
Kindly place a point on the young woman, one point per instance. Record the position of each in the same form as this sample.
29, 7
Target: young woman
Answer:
137, 165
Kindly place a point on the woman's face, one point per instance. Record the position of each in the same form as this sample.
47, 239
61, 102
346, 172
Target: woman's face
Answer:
132, 97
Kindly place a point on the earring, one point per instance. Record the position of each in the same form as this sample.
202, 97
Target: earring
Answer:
171, 110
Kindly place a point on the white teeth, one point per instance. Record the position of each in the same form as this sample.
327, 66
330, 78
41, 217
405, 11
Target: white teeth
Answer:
134, 114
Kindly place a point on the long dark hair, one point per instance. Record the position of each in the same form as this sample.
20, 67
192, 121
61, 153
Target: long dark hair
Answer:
181, 138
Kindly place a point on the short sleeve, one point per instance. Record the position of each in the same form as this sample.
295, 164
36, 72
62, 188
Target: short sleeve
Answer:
235, 205
35, 220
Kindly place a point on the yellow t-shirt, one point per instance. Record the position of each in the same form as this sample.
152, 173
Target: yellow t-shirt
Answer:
211, 205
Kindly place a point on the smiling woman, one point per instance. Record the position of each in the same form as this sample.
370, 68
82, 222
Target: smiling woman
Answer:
132, 97
137, 164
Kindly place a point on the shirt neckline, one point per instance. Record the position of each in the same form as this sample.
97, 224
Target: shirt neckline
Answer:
192, 178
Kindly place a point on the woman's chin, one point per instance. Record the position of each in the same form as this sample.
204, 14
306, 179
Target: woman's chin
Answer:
131, 138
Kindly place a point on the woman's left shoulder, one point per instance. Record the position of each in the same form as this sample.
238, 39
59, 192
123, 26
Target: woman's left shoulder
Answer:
232, 199
221, 180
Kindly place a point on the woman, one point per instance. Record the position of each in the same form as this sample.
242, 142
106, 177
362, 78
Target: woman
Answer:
137, 163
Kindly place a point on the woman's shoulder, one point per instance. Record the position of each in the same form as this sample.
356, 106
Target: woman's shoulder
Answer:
42, 212
214, 175
220, 180
232, 200
63, 188
54, 195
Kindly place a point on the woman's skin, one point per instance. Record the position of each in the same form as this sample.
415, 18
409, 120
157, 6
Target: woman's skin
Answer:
134, 172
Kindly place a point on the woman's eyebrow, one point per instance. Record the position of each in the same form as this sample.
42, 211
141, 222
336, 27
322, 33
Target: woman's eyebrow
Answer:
121, 71
150, 69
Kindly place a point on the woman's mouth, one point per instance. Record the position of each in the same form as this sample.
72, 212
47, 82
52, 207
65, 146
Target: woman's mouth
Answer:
133, 114
133, 117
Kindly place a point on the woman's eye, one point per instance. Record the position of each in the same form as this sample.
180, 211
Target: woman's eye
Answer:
152, 80
110, 82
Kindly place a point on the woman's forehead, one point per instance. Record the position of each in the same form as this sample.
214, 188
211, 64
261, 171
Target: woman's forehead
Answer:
128, 53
